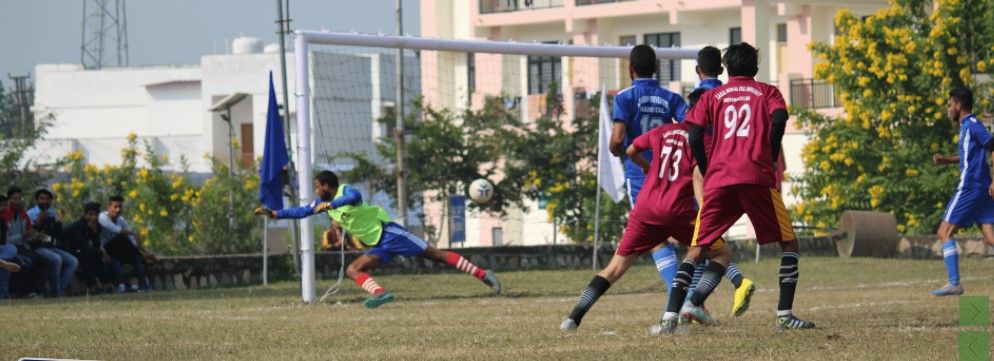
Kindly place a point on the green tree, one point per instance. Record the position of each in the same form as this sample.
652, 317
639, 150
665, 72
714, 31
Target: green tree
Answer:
893, 71
17, 137
557, 160
444, 153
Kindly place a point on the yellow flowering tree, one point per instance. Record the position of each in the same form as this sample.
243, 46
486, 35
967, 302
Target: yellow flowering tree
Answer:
153, 204
172, 216
210, 229
893, 71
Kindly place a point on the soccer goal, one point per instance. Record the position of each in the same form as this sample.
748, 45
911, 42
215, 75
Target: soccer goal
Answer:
346, 86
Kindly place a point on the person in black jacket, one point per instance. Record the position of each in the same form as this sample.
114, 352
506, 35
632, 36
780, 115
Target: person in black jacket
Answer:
82, 239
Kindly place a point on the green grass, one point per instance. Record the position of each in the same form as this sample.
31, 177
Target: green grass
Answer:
865, 309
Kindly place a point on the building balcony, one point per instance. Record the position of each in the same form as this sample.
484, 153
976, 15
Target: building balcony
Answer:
813, 94
506, 6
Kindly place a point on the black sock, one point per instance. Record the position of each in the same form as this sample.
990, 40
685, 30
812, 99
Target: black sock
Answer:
709, 280
680, 284
598, 285
788, 281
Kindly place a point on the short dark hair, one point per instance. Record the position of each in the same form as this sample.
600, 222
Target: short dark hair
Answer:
709, 61
13, 190
327, 177
91, 207
643, 60
694, 97
40, 192
963, 95
741, 60
115, 198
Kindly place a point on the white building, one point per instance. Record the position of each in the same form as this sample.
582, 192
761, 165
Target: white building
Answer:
169, 105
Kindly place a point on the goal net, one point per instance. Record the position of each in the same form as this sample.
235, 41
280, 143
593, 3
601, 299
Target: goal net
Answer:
347, 100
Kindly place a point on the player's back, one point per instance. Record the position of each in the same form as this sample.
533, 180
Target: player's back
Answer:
739, 115
642, 107
668, 188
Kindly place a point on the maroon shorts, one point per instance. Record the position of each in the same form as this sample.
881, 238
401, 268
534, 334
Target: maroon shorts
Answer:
640, 237
724, 206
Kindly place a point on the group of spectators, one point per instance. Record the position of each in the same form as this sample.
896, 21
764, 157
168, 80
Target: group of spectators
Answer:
41, 256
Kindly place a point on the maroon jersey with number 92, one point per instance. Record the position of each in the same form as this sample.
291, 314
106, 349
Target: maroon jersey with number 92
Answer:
739, 115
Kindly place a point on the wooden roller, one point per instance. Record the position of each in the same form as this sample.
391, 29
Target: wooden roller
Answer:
868, 234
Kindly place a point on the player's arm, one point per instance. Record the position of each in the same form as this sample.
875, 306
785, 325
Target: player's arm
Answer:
617, 138
698, 186
290, 213
350, 196
940, 159
696, 137
776, 134
639, 145
636, 156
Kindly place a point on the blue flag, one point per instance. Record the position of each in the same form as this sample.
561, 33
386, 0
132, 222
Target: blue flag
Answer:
274, 156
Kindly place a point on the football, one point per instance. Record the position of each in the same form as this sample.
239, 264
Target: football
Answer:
481, 190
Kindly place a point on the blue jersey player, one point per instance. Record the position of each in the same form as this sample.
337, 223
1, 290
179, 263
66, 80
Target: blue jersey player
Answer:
973, 201
638, 109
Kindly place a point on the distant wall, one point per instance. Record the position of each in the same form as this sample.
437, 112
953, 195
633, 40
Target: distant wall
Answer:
193, 272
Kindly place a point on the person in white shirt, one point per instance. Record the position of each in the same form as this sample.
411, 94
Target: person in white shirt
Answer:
120, 245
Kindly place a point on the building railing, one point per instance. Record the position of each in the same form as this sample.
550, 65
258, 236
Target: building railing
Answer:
505, 6
595, 2
813, 94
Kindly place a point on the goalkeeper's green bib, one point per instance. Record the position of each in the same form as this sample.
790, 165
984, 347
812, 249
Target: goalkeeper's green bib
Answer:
364, 222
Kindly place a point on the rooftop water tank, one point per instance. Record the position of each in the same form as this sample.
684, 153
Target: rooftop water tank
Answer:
246, 45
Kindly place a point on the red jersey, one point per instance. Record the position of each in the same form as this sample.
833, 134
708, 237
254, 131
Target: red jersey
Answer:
739, 115
668, 188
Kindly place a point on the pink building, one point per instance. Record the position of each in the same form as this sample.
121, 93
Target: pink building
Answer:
782, 30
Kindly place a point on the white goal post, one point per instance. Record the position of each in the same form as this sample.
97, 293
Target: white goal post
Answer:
302, 46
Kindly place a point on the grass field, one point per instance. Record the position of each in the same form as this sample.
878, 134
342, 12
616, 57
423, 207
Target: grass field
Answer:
865, 309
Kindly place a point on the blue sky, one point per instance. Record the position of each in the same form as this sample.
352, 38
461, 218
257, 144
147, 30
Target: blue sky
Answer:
178, 31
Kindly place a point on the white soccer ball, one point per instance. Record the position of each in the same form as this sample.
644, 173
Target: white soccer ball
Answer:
481, 190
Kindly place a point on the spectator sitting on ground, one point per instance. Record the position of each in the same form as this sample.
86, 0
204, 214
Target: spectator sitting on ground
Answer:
18, 234
122, 245
8, 253
48, 224
82, 239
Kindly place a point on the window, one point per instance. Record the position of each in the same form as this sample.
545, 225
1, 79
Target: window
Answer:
470, 76
669, 69
543, 71
497, 236
781, 33
734, 35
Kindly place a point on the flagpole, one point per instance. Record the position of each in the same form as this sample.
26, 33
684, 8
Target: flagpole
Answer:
265, 251
597, 208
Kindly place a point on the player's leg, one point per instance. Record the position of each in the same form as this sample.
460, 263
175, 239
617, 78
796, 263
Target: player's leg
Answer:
743, 286
357, 271
663, 255
598, 286
961, 211
716, 215
453, 259
769, 217
718, 256
950, 257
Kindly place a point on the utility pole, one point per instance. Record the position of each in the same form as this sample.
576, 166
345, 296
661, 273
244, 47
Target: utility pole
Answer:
21, 95
401, 172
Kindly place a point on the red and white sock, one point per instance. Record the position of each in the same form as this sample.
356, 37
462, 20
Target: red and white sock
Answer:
367, 283
455, 260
